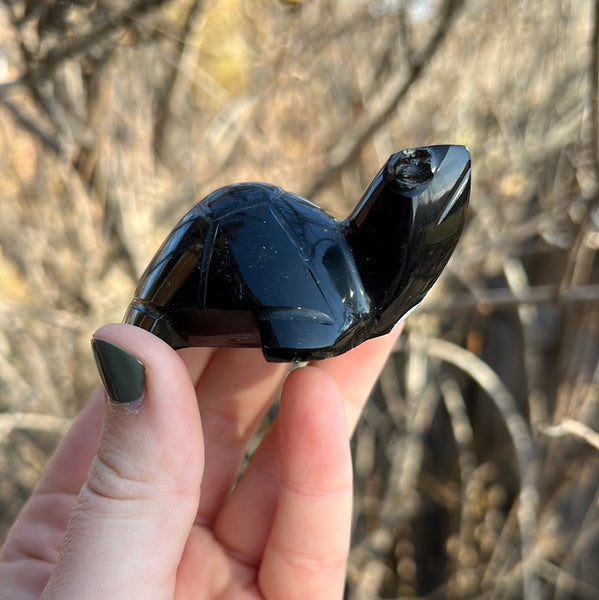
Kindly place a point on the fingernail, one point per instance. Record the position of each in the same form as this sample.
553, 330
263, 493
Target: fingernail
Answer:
123, 375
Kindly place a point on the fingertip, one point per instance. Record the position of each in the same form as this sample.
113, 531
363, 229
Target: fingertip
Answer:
139, 342
123, 375
313, 432
163, 365
303, 380
311, 392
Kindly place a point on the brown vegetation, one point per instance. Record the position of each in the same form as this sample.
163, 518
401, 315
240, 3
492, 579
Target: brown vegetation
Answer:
477, 461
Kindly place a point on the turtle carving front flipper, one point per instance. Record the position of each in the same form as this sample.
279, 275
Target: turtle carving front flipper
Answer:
253, 265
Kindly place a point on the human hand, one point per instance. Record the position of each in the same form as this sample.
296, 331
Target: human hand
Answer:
143, 504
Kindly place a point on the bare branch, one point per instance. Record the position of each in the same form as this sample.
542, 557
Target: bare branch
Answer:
28, 124
572, 427
31, 421
489, 299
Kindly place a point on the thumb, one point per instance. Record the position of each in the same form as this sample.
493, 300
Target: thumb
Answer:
129, 527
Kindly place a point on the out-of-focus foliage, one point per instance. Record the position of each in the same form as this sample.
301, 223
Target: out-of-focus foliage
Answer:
477, 459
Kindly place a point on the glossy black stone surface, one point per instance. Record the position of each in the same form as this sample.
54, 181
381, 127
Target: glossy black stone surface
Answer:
253, 265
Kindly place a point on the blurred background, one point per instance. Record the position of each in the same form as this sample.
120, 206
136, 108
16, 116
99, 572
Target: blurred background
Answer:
477, 460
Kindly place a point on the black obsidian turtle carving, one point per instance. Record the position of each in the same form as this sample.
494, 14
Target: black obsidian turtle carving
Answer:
253, 265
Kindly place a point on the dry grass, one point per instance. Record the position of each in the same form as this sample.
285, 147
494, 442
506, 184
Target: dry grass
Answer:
477, 458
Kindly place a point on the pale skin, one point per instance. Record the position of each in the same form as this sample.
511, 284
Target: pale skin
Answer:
143, 505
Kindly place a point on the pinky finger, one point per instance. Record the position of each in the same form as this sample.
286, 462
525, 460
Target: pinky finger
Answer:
306, 553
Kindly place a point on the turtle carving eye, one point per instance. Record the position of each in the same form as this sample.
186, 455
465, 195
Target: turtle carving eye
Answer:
253, 265
411, 168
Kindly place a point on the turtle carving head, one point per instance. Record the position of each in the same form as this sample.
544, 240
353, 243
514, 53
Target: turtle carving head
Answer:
406, 226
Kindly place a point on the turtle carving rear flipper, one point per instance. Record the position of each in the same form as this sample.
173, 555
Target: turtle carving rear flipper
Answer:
253, 265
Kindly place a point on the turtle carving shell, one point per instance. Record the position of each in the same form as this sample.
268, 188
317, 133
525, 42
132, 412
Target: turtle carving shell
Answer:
254, 265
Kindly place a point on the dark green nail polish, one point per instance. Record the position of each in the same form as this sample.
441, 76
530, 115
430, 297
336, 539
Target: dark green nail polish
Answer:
123, 375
